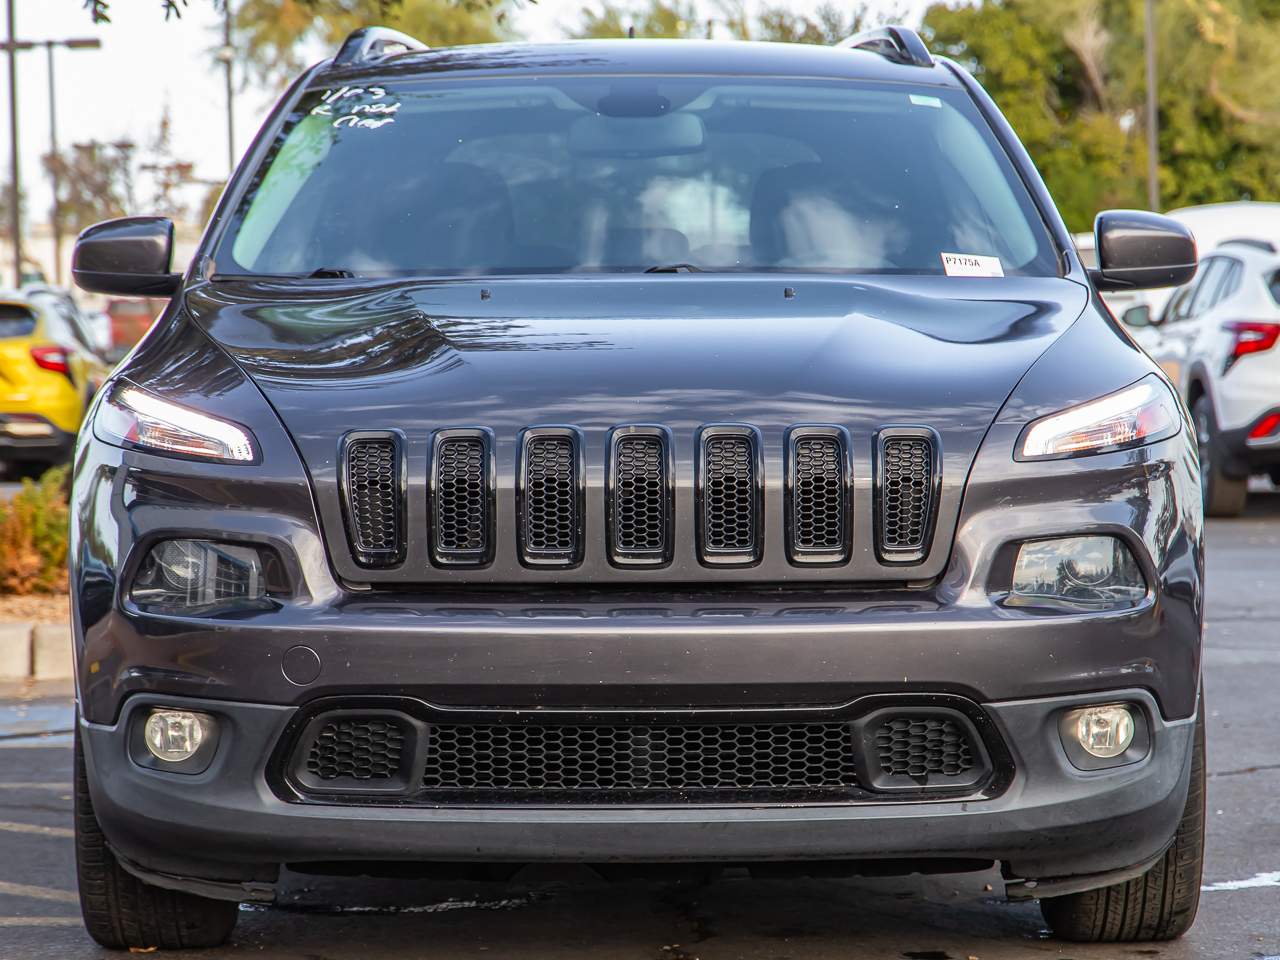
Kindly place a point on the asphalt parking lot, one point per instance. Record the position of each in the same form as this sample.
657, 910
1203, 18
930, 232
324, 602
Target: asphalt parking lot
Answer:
576, 917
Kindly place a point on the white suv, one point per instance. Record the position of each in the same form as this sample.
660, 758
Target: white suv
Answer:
1217, 341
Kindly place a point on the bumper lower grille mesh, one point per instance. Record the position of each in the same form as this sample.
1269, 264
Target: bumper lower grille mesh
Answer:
917, 747
356, 750
372, 477
461, 500
532, 760
906, 496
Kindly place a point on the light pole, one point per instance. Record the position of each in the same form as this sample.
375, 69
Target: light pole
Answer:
78, 43
12, 47
227, 54
1153, 116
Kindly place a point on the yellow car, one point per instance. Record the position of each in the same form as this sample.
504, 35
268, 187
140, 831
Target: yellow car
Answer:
50, 369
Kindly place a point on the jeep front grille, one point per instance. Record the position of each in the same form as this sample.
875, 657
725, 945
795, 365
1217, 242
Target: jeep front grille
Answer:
907, 482
374, 498
550, 499
639, 497
817, 496
729, 496
462, 495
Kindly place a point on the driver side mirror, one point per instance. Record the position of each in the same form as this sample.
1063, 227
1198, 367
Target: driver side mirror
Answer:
1138, 250
129, 257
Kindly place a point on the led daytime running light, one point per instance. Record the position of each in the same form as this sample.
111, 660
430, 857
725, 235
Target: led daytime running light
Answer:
163, 425
1139, 414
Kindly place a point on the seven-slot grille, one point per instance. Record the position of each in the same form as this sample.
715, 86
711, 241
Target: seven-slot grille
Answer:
640, 498
729, 496
640, 517
375, 511
907, 483
461, 499
550, 499
817, 496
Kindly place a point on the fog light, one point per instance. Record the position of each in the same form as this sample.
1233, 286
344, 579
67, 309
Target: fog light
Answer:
1105, 731
176, 735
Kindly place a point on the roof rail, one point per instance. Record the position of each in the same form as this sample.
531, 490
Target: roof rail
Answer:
1264, 245
899, 44
372, 43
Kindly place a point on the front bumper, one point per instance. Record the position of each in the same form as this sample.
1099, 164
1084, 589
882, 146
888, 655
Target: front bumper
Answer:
1050, 821
34, 437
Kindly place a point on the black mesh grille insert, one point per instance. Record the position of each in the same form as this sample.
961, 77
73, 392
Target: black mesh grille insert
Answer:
918, 747
819, 508
373, 500
356, 750
906, 494
461, 500
640, 506
600, 762
550, 523
729, 497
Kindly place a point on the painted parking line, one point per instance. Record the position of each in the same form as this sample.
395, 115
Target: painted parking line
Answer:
37, 893
1271, 879
11, 827
40, 922
33, 785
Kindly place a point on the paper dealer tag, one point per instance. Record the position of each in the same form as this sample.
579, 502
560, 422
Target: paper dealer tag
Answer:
969, 265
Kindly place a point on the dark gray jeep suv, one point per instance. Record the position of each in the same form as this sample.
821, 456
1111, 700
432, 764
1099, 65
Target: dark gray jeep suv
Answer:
629, 453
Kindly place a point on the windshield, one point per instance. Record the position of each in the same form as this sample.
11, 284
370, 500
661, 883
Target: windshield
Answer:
554, 175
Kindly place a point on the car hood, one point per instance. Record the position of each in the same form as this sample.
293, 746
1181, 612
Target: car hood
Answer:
679, 350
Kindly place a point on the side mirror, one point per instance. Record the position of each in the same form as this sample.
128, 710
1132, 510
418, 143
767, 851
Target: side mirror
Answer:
1138, 250
1137, 317
129, 257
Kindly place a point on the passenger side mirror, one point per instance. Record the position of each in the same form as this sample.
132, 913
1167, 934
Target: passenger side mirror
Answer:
129, 257
1138, 250
1137, 317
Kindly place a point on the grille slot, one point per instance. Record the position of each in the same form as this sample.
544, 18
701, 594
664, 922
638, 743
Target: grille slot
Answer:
818, 496
729, 496
462, 499
625, 762
640, 527
356, 749
923, 748
907, 487
374, 498
550, 498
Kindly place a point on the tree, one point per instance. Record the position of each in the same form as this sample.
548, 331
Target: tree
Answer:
95, 182
272, 30
829, 24
169, 175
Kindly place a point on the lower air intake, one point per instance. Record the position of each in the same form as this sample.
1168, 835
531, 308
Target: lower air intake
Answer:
361, 750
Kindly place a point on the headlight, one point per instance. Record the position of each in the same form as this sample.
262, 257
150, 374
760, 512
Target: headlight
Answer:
202, 577
1143, 413
1076, 573
131, 416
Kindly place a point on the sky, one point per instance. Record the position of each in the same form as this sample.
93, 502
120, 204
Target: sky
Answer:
120, 91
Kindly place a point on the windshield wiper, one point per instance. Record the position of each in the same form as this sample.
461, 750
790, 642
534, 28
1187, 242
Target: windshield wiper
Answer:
331, 273
674, 268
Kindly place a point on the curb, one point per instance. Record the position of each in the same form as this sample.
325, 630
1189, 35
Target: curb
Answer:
35, 651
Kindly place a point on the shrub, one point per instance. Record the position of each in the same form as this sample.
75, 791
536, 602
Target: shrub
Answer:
33, 536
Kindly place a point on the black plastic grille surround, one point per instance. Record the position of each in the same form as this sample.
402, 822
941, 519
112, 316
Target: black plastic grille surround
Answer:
818, 497
550, 522
374, 499
355, 749
421, 757
640, 499
906, 493
918, 747
461, 500
729, 498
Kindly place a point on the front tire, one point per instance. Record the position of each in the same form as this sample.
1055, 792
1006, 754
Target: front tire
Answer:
120, 911
1158, 905
1223, 496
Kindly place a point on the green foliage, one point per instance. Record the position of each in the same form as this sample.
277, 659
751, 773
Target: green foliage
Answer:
33, 536
678, 19
1070, 77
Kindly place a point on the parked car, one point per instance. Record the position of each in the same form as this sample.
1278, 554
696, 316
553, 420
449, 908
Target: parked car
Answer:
49, 372
637, 452
1217, 341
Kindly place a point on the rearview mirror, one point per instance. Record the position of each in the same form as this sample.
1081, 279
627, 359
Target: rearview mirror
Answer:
1137, 317
129, 257
1138, 250
670, 135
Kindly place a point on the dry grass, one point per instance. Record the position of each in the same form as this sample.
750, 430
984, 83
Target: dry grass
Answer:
33, 537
